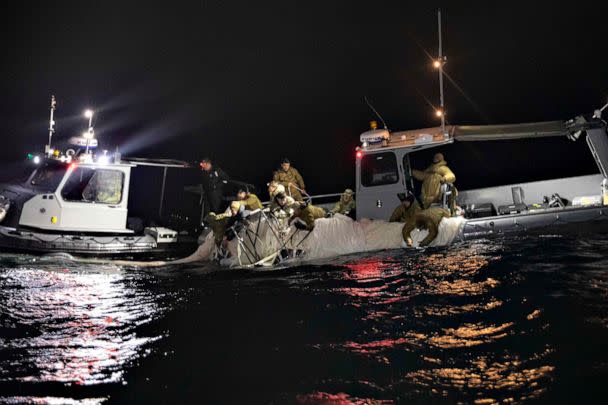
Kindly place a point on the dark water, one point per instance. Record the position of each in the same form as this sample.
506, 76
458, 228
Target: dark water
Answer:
511, 321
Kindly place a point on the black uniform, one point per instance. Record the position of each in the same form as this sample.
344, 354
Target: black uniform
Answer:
213, 186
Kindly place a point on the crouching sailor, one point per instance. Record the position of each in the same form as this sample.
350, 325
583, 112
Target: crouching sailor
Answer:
305, 215
406, 210
249, 200
346, 205
226, 224
428, 219
282, 205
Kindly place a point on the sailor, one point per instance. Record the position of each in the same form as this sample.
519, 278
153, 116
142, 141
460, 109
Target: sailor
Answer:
428, 219
406, 210
282, 205
213, 180
305, 215
291, 179
346, 205
220, 223
249, 200
273, 189
432, 178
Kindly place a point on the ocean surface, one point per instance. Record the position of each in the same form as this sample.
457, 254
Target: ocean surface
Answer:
504, 321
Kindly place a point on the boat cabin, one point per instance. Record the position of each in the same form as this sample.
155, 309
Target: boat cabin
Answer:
89, 195
78, 197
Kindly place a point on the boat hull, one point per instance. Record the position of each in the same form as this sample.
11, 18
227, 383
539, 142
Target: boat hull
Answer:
109, 246
552, 220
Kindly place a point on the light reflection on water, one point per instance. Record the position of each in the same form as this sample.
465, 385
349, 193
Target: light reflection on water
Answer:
78, 326
484, 322
436, 290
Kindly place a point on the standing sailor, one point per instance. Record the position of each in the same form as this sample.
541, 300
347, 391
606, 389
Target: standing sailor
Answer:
432, 178
291, 179
214, 180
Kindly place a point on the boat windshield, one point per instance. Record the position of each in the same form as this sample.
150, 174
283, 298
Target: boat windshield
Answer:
48, 176
379, 169
94, 185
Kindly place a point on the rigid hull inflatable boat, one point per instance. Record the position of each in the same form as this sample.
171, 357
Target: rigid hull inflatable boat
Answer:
564, 204
81, 208
77, 202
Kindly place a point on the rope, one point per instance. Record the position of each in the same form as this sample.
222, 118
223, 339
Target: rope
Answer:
303, 192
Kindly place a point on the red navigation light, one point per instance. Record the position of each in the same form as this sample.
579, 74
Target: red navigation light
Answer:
359, 154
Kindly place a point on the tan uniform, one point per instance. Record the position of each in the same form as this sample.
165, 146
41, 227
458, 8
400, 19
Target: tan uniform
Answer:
402, 214
290, 176
428, 219
218, 223
344, 207
252, 202
431, 180
309, 214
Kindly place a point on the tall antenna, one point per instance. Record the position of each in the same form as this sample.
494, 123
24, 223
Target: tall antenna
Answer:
89, 134
375, 112
439, 63
51, 124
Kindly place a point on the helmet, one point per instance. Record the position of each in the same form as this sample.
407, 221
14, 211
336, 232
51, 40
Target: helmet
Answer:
407, 196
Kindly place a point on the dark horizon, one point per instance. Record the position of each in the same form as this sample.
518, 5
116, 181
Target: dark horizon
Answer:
249, 84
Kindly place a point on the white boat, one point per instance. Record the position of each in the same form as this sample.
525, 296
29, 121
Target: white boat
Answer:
76, 201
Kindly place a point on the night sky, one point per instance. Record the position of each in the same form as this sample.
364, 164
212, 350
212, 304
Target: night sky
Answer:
247, 83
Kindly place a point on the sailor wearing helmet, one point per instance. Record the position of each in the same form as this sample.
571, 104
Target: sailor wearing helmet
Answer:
346, 205
406, 210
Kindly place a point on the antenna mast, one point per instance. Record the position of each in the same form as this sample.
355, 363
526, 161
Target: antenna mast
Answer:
51, 124
375, 112
440, 62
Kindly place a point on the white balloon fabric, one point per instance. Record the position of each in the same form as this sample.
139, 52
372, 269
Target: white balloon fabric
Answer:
331, 237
